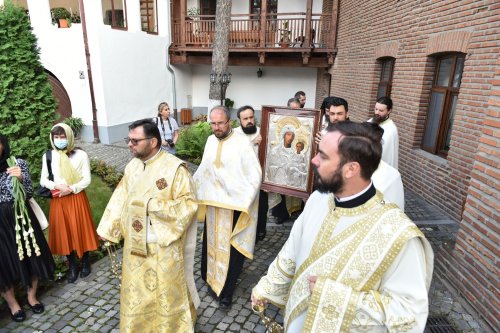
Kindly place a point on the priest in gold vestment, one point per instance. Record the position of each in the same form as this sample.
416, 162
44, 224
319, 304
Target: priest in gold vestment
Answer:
227, 188
352, 262
152, 209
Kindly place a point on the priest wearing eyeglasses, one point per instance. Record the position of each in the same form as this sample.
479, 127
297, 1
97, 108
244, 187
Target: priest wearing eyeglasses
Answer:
152, 209
227, 187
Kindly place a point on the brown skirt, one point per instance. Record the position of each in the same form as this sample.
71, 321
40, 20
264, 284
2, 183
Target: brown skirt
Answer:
71, 226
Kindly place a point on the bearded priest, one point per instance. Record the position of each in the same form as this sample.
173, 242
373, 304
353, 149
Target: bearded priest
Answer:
352, 263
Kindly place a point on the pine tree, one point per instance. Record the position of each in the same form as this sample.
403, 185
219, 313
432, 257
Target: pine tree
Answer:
27, 105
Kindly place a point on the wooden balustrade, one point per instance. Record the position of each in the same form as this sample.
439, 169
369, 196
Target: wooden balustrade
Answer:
281, 30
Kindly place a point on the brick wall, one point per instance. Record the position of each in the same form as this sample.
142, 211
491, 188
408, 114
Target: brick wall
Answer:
467, 180
472, 266
413, 32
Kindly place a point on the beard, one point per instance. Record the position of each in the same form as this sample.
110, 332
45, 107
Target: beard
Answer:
249, 129
378, 119
332, 185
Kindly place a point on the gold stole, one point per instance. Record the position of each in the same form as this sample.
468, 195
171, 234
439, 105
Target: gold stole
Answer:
145, 185
219, 229
357, 257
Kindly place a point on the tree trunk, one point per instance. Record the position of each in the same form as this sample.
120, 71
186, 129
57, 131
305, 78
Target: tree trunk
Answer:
220, 52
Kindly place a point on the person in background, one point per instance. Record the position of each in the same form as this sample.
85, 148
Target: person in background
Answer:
72, 230
168, 127
301, 97
293, 103
390, 140
34, 267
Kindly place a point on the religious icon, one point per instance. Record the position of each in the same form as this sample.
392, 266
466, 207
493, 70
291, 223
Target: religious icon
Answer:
287, 149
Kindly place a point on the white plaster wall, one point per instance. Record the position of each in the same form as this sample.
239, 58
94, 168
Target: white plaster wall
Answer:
296, 6
275, 87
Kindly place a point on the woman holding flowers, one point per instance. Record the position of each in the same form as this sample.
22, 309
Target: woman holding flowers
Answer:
71, 224
24, 254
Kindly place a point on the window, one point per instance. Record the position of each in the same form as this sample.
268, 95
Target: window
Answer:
385, 84
114, 13
149, 16
443, 102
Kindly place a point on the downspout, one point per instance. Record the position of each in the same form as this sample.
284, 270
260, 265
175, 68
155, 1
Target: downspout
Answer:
169, 67
89, 72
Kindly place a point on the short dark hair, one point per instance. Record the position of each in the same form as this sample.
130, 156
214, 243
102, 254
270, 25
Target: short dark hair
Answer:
57, 130
299, 93
338, 101
243, 108
149, 127
292, 100
386, 101
361, 143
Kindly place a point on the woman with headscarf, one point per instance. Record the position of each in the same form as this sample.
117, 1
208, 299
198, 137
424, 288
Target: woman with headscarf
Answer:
71, 224
37, 262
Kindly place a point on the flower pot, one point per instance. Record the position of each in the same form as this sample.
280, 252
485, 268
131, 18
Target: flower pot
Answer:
63, 23
284, 45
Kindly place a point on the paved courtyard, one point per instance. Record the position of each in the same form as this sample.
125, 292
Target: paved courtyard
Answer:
92, 304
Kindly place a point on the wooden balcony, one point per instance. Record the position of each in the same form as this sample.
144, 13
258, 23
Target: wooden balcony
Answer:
280, 39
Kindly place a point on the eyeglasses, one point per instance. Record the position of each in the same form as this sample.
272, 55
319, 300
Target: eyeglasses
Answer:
220, 123
135, 142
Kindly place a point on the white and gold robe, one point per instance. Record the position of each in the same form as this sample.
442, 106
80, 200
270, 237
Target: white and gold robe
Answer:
388, 180
373, 265
152, 209
228, 179
390, 142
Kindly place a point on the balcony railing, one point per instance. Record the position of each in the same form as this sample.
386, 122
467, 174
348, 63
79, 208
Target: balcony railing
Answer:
278, 31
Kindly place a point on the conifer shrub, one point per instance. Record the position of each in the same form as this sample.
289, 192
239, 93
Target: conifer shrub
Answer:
27, 105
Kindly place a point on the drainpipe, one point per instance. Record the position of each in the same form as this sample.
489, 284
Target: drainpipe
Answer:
89, 72
169, 67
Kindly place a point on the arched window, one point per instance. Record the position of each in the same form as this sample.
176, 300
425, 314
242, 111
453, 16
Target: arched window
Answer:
443, 102
386, 72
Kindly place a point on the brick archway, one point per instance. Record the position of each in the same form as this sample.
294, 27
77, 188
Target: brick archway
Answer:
63, 101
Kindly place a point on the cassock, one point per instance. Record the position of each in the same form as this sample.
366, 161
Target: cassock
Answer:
373, 268
227, 183
152, 209
387, 180
390, 142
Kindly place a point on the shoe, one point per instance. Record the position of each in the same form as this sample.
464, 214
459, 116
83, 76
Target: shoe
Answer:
73, 274
37, 308
19, 316
85, 266
225, 303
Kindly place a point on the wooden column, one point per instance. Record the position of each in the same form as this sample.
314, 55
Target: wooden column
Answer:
335, 23
263, 23
183, 22
307, 39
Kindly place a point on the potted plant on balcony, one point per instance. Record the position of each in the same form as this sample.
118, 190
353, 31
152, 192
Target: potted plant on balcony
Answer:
285, 35
61, 16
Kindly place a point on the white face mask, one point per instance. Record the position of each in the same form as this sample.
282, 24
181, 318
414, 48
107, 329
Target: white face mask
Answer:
61, 143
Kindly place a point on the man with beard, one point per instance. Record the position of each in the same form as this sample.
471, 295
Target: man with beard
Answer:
352, 263
152, 209
246, 116
227, 186
301, 97
337, 110
390, 140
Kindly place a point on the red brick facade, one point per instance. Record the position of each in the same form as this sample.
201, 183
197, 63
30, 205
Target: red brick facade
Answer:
465, 184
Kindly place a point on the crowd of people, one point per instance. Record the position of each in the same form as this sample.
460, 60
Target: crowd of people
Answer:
353, 261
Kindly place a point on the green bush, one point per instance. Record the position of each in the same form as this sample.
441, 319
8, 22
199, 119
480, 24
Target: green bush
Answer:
192, 140
27, 106
108, 173
75, 123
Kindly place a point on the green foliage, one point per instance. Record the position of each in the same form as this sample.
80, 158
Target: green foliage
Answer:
192, 140
228, 103
27, 106
60, 13
108, 173
75, 123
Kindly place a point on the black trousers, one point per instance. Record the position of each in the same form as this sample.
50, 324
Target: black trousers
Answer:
262, 217
236, 260
280, 211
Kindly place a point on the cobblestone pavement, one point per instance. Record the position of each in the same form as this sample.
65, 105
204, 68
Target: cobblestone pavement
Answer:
92, 304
